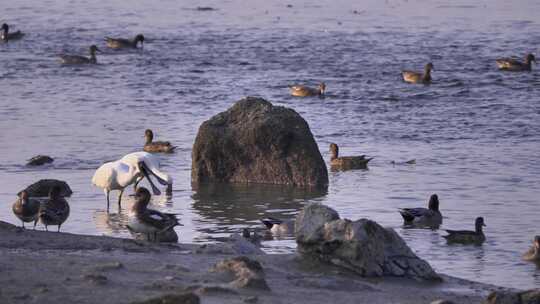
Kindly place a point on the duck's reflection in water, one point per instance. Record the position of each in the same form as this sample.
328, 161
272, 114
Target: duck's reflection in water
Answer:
227, 208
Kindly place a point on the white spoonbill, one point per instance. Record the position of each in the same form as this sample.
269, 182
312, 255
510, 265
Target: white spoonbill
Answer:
130, 169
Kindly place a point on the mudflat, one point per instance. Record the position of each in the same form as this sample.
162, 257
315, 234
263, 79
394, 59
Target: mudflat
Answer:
51, 267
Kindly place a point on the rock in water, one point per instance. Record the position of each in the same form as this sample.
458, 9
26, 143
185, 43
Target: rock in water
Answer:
39, 160
42, 188
256, 142
362, 246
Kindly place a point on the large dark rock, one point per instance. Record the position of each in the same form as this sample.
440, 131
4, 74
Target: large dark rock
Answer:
42, 188
362, 246
256, 142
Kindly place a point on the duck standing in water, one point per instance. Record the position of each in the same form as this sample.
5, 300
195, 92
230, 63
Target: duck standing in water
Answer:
468, 237
7, 36
346, 162
148, 221
27, 210
427, 217
418, 77
156, 146
55, 211
304, 91
76, 59
122, 43
510, 64
533, 254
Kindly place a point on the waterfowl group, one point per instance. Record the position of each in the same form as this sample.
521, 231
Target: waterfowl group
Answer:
122, 43
428, 217
26, 209
148, 221
305, 91
55, 210
156, 146
77, 59
346, 162
418, 77
476, 237
510, 64
6, 36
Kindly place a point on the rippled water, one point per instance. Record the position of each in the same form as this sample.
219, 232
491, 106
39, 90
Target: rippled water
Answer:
475, 132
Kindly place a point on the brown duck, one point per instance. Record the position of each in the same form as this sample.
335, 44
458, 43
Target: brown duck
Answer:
418, 77
122, 43
304, 91
76, 59
26, 209
156, 146
346, 162
510, 64
55, 211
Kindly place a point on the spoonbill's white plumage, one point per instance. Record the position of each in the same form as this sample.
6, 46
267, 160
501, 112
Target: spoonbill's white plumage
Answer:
130, 169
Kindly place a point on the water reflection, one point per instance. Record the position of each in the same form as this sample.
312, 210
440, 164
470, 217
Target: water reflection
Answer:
243, 205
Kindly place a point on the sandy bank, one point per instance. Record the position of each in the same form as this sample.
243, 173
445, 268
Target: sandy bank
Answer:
50, 267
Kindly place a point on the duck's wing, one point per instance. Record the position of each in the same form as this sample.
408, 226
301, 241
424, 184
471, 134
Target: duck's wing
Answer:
162, 221
73, 59
118, 42
460, 232
508, 63
15, 35
411, 76
409, 214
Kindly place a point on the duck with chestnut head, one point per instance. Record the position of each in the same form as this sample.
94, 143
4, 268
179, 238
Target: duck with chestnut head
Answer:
156, 146
533, 254
26, 209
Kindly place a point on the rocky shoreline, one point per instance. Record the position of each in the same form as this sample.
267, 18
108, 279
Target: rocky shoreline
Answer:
51, 267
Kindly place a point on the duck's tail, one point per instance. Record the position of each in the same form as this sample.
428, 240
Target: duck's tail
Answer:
407, 217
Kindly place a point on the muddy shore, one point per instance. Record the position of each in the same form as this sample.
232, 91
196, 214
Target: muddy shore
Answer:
50, 267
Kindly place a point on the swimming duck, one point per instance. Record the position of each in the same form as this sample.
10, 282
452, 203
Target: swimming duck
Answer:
76, 59
418, 77
408, 162
148, 221
278, 227
304, 91
55, 211
156, 146
122, 43
26, 209
533, 254
6, 35
430, 216
468, 237
509, 64
346, 162
39, 160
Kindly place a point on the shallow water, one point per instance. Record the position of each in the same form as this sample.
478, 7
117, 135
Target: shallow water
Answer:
475, 132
